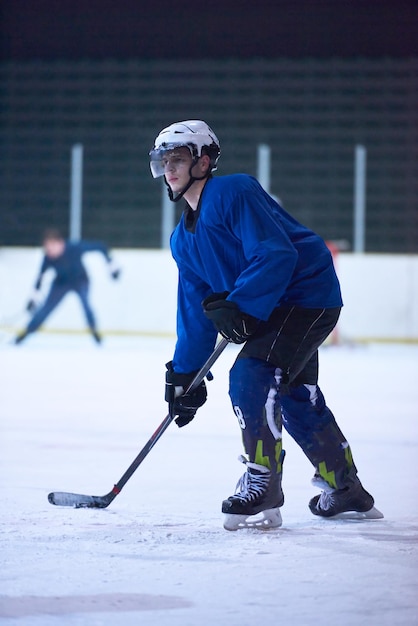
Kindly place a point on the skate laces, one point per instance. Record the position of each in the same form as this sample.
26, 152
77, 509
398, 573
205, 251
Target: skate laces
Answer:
326, 500
252, 485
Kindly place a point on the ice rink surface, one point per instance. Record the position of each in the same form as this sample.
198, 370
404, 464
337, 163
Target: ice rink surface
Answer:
73, 418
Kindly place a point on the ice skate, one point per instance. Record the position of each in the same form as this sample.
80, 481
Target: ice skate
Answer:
256, 501
353, 502
97, 338
21, 337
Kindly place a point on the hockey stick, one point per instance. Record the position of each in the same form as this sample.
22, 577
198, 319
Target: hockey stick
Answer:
77, 500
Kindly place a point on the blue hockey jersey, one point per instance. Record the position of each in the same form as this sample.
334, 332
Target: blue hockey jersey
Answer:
69, 268
242, 241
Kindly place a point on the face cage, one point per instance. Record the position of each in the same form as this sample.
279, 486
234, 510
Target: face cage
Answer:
157, 155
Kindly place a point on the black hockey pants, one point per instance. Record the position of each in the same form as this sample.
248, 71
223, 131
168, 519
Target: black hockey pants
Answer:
274, 381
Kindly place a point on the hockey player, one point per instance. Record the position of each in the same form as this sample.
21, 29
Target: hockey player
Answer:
65, 257
251, 272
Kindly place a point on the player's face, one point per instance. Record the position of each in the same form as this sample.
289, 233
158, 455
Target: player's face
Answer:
177, 168
54, 248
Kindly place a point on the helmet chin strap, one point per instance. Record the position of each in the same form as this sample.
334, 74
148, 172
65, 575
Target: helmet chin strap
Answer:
193, 179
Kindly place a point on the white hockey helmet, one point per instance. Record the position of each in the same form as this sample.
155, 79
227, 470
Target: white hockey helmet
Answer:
192, 134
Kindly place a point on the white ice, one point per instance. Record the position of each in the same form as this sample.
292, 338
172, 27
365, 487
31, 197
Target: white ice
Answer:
73, 418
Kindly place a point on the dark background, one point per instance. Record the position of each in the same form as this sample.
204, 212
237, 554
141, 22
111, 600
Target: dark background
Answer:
102, 29
311, 79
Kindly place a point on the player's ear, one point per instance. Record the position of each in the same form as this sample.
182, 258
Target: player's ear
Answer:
204, 163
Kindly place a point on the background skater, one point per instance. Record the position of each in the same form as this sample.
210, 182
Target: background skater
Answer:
65, 258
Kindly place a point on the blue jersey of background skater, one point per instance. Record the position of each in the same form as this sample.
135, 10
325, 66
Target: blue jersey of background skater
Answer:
242, 241
69, 269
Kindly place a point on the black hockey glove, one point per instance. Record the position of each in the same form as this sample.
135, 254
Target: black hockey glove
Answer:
114, 270
182, 405
34, 301
31, 306
227, 318
115, 274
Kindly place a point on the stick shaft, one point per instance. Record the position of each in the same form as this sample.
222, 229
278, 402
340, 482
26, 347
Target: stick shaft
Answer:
169, 418
85, 501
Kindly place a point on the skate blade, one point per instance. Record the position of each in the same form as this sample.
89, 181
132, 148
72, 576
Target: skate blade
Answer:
266, 520
373, 513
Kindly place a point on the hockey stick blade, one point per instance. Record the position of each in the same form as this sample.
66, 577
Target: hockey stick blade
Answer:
81, 501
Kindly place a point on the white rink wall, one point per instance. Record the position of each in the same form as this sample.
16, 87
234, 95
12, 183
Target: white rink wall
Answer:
380, 294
